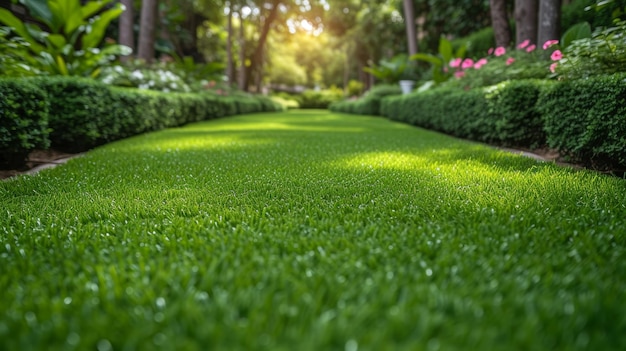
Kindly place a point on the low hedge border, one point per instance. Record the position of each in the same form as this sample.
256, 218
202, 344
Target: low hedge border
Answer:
24, 111
369, 104
75, 114
584, 119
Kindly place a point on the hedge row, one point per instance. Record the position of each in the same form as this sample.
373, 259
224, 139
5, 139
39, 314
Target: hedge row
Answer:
73, 114
369, 104
585, 120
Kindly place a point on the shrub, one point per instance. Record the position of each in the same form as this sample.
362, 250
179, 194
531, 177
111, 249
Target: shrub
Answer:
23, 121
513, 106
320, 99
81, 113
477, 43
505, 114
369, 104
587, 120
603, 53
510, 65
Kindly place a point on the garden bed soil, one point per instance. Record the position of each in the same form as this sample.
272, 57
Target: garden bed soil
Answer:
38, 160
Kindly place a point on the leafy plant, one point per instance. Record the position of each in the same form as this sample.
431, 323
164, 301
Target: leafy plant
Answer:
603, 53
389, 71
439, 62
67, 38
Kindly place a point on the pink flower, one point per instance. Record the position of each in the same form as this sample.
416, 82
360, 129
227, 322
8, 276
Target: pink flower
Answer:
490, 51
531, 48
510, 61
553, 67
500, 51
556, 55
455, 63
480, 63
523, 44
549, 43
467, 63
459, 74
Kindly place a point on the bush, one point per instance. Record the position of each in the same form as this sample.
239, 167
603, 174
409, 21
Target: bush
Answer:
513, 106
23, 121
513, 65
369, 104
505, 114
320, 99
477, 44
603, 53
587, 120
82, 113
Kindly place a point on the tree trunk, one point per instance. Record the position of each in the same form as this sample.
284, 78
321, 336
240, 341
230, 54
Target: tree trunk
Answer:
229, 46
409, 20
126, 28
500, 22
146, 30
526, 21
549, 20
257, 57
242, 54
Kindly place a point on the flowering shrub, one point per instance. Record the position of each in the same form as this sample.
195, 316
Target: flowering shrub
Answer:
151, 78
525, 62
603, 53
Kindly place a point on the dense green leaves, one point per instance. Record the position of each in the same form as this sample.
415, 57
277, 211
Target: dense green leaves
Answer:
68, 39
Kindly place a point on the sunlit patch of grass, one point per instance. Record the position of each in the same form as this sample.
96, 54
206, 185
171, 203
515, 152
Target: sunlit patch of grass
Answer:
311, 231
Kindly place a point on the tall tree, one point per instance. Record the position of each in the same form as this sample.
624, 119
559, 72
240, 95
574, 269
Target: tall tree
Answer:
267, 22
526, 21
549, 20
242, 74
500, 22
409, 20
126, 28
230, 74
147, 30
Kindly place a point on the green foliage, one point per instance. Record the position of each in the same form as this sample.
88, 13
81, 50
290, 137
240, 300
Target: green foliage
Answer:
514, 65
586, 118
310, 231
369, 104
23, 121
156, 77
287, 103
440, 62
513, 106
12, 51
598, 13
389, 71
603, 53
354, 88
67, 38
320, 99
477, 43
576, 32
504, 114
179, 76
78, 113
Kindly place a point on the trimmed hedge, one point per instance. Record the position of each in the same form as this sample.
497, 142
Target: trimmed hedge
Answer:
76, 114
505, 114
23, 121
369, 104
586, 119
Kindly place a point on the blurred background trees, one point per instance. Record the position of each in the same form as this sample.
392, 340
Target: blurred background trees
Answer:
278, 44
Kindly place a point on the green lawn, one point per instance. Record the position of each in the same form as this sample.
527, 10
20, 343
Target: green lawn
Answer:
309, 230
